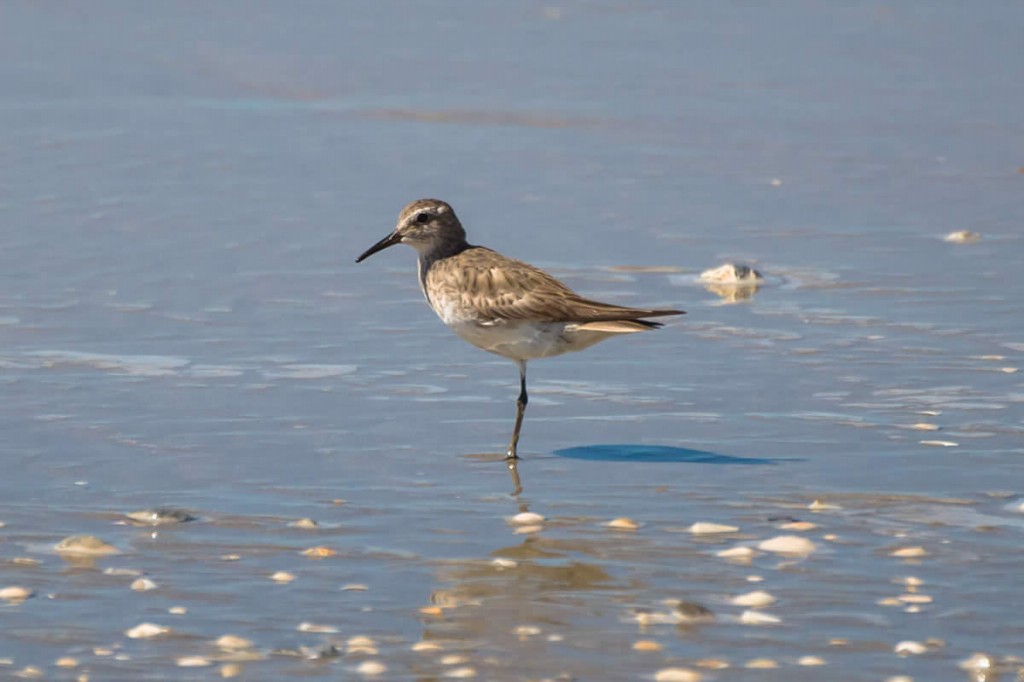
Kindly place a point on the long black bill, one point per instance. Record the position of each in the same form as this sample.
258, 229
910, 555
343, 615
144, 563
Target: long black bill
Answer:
390, 240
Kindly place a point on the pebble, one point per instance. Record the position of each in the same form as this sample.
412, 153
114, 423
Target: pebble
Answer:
230, 557
799, 526
761, 664
731, 273
912, 581
193, 662
909, 552
146, 631
143, 585
524, 631
712, 663
691, 612
788, 544
371, 668
811, 660
465, 672
1009, 370
977, 662
431, 610
85, 545
818, 506
925, 426
355, 587
29, 672
915, 598
677, 675
526, 518
161, 516
504, 563
306, 524
909, 647
708, 528
282, 577
736, 553
318, 552
232, 642
66, 662
962, 237
646, 645
453, 659
426, 646
25, 561
177, 610
315, 627
753, 599
622, 523
750, 617
230, 670
941, 443
16, 593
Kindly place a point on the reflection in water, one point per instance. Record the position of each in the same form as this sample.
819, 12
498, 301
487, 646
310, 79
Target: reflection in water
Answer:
733, 293
654, 454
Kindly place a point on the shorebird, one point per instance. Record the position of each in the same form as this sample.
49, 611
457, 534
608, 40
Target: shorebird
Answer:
500, 304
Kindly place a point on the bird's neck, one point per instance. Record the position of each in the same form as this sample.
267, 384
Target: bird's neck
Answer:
438, 252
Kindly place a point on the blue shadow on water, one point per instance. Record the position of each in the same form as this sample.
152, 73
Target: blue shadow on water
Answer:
655, 454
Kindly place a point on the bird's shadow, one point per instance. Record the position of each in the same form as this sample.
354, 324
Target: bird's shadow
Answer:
654, 454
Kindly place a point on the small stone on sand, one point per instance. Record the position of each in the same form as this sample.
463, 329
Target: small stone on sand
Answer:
740, 552
940, 443
355, 587
708, 528
622, 523
426, 646
431, 611
978, 662
177, 610
463, 673
524, 631
315, 627
85, 545
915, 598
146, 631
526, 518
731, 273
66, 662
750, 617
282, 577
788, 544
452, 659
16, 593
371, 668
193, 662
504, 563
143, 585
819, 506
761, 664
909, 648
909, 552
798, 526
677, 675
318, 552
925, 426
754, 599
305, 524
646, 645
160, 516
810, 660
962, 237
232, 642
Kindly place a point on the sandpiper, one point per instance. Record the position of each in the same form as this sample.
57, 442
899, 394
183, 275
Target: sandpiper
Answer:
500, 304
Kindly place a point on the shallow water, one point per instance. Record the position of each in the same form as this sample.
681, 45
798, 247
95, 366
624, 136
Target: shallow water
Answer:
183, 193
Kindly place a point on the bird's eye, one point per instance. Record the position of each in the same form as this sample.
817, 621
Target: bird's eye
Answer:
422, 217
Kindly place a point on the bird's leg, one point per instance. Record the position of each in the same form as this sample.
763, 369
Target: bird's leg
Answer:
520, 410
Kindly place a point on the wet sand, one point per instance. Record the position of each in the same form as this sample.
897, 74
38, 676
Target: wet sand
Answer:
183, 328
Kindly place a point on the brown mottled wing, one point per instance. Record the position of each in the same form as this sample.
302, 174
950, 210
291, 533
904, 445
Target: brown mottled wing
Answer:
496, 287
